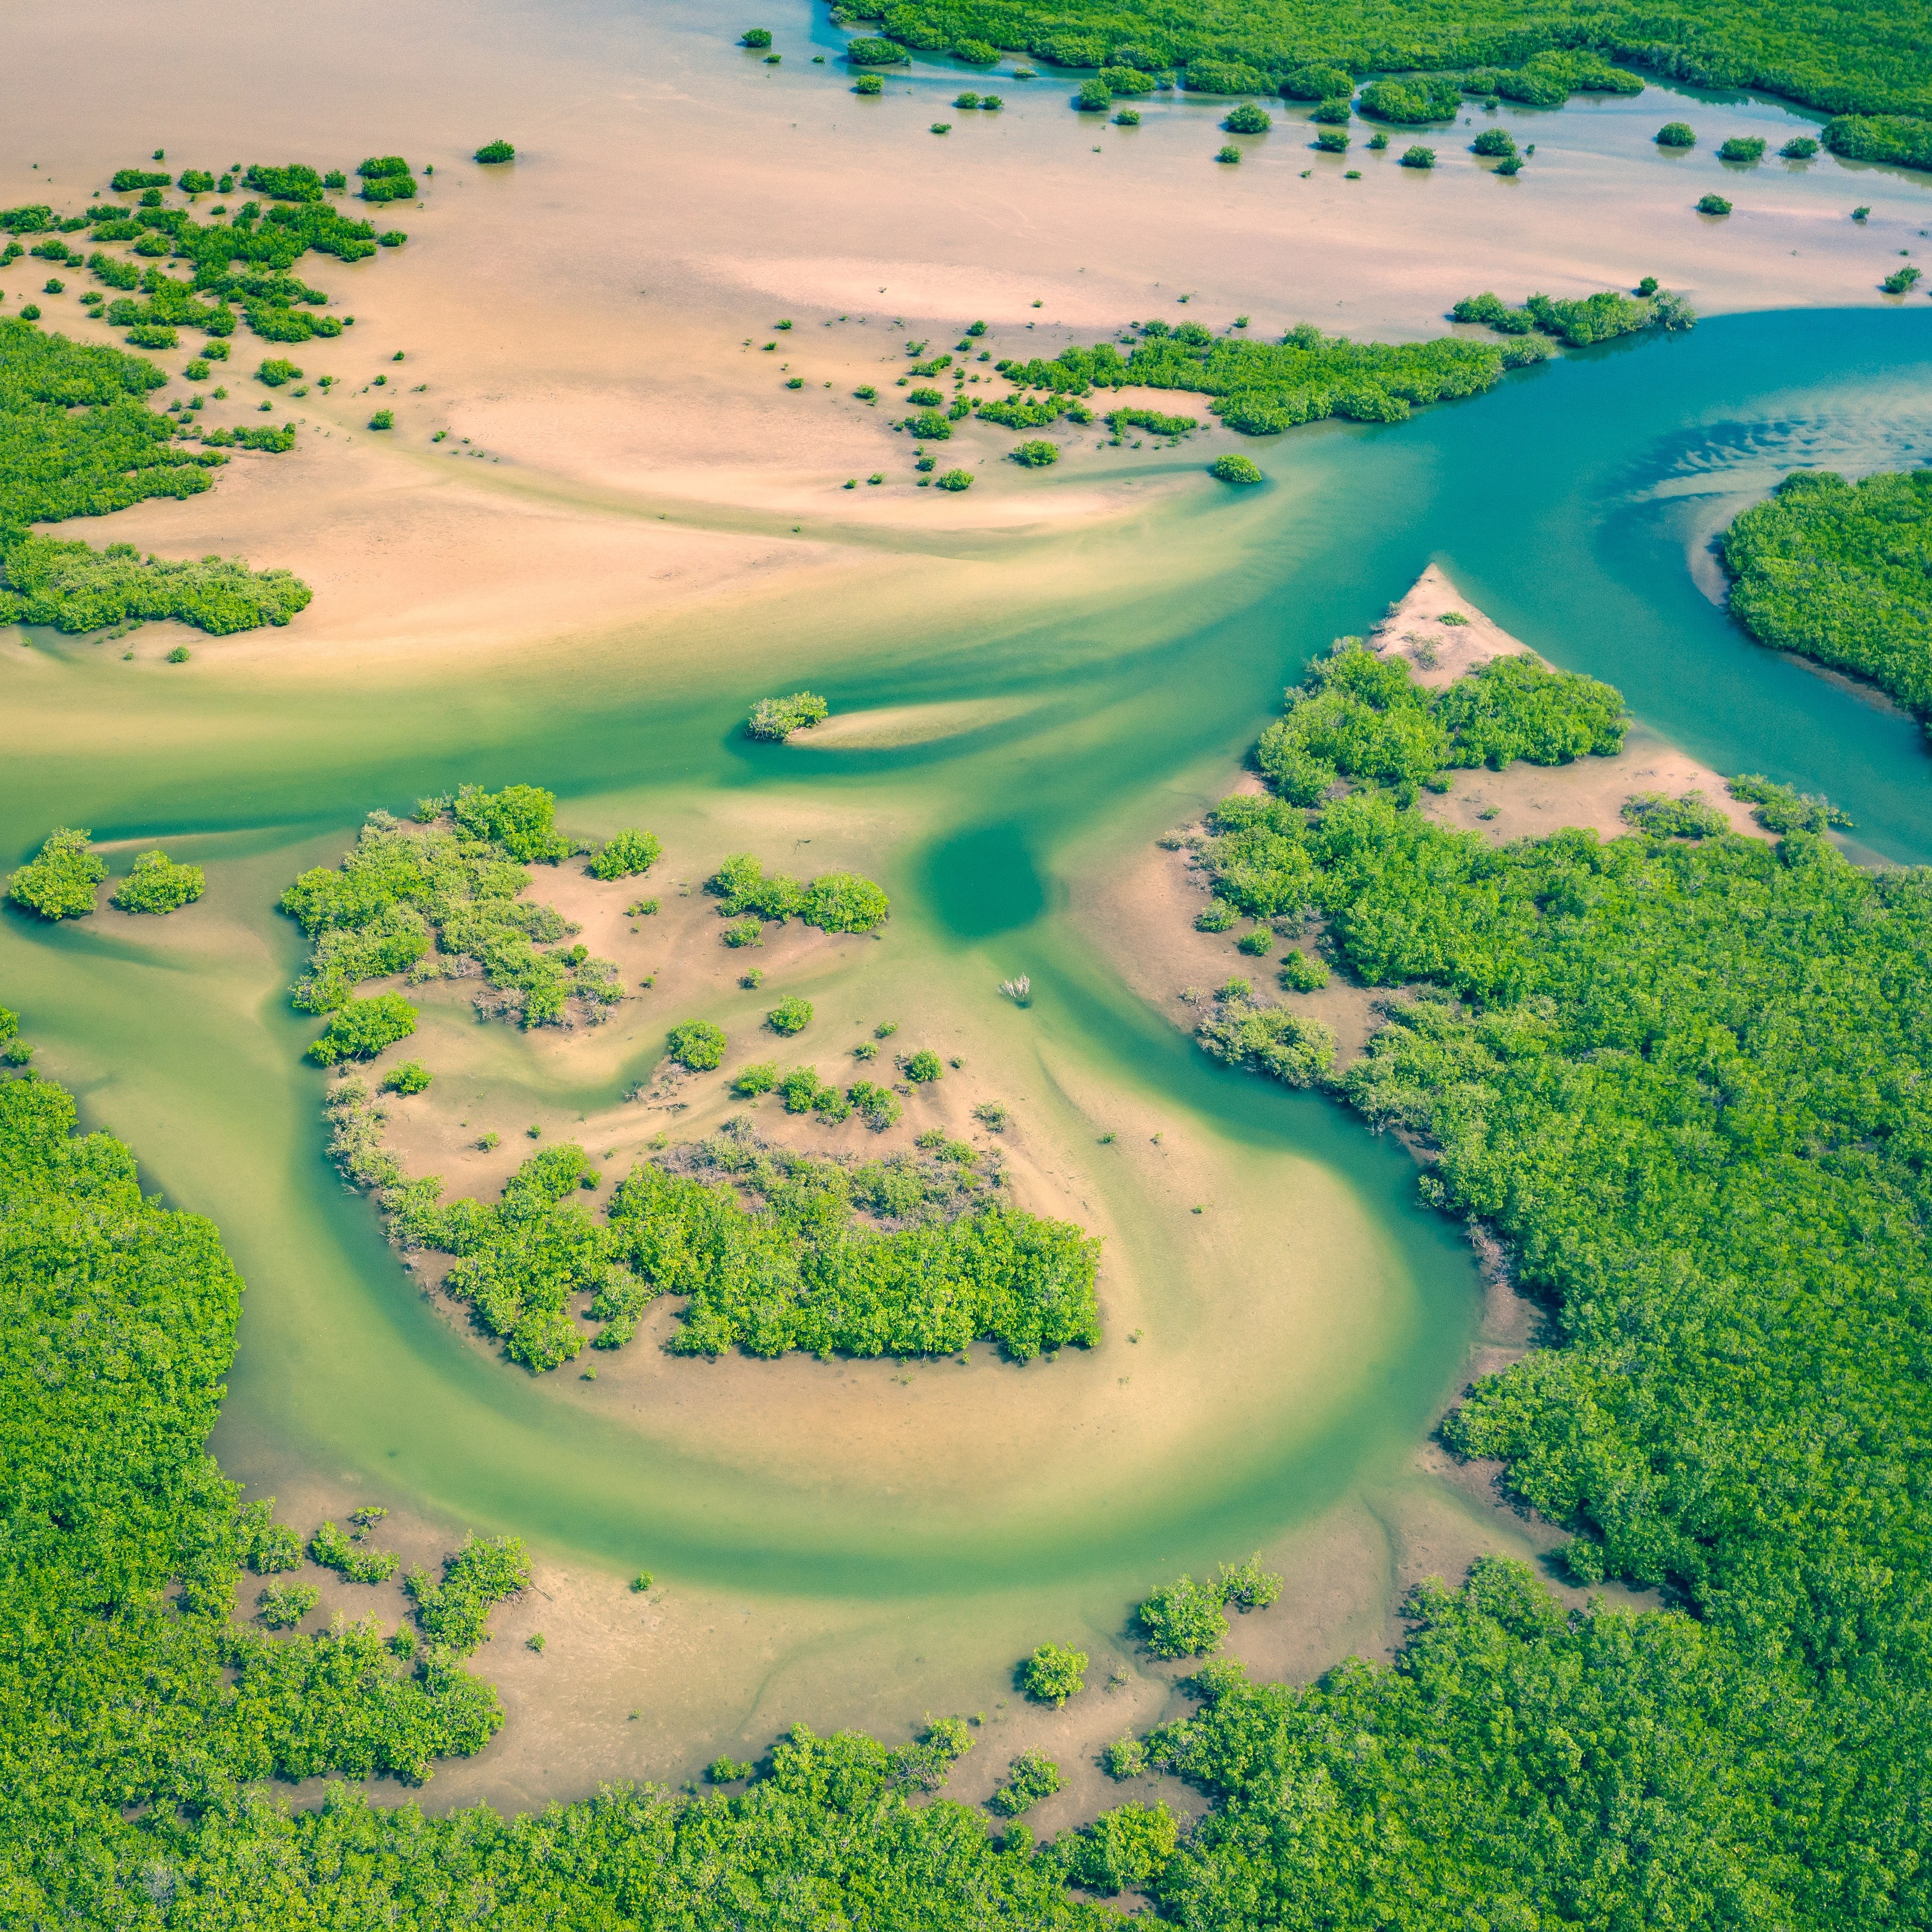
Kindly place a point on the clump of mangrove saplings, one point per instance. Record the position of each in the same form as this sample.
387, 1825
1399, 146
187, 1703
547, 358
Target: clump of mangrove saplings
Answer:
776, 718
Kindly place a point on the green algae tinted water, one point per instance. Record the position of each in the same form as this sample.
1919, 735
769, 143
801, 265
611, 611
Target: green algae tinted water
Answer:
1571, 505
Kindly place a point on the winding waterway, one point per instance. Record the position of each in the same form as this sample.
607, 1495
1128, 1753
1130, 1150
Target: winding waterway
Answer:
1568, 505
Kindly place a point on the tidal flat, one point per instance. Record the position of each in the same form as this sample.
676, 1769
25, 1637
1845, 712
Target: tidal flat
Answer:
645, 532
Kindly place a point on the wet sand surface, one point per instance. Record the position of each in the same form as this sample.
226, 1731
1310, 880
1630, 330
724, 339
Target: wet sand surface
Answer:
625, 487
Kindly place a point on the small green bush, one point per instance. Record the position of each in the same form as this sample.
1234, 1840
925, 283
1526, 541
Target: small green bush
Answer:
1095, 97
1495, 141
1300, 973
1800, 148
179, 655
1217, 916
411, 1077
745, 932
1036, 455
1053, 1674
761, 1077
878, 1106
1713, 204
360, 1029
627, 853
156, 884
1417, 158
383, 419
1234, 469
1031, 1777
1742, 148
776, 718
755, 37
1229, 155
964, 100
1128, 117
1248, 119
696, 1045
1674, 134
276, 370
874, 52
1900, 281
954, 479
923, 1067
1691, 816
1378, 141
1332, 140
60, 880
791, 1015
493, 151
1257, 943
869, 83
283, 1606
1183, 1618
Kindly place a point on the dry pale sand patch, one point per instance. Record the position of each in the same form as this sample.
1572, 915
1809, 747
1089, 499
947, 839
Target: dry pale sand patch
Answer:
907, 723
1527, 801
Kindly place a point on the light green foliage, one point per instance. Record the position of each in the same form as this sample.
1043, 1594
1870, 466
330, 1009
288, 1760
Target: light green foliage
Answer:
493, 151
778, 718
869, 83
1031, 1777
1840, 572
791, 1015
697, 1045
954, 479
923, 1067
1036, 455
156, 884
939, 1262
1412, 101
75, 588
1053, 1673
1675, 134
411, 1077
1094, 97
1183, 1618
759, 1077
1217, 916
877, 1106
1362, 717
60, 880
1234, 469
386, 177
1125, 1757
1248, 119
267, 1547
1417, 158
1866, 60
834, 901
1152, 421
359, 1029
1495, 142
1779, 808
283, 1606
1691, 816
1125, 1849
139, 1716
275, 371
1592, 318
728, 1771
874, 52
454, 1612
1713, 204
444, 898
1257, 944
353, 1562
1301, 972
626, 854
1742, 148
1261, 388
1295, 1050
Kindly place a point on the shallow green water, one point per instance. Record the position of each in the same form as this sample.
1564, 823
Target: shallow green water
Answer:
1559, 504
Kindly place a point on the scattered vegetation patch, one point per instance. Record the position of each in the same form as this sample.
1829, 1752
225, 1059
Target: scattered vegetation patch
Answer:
833, 902
442, 898
918, 1253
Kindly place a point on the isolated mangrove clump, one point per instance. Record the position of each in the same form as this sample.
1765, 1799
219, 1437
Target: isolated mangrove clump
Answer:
776, 718
697, 1045
1185, 1618
1675, 134
1235, 470
1032, 1776
493, 151
156, 884
1053, 1674
626, 854
1713, 204
60, 880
